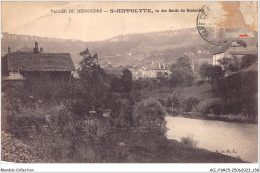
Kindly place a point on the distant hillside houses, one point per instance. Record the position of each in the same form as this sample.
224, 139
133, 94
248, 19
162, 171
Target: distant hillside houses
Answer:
26, 63
148, 72
230, 50
154, 70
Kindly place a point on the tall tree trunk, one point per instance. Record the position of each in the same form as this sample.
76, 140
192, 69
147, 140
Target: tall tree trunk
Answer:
213, 87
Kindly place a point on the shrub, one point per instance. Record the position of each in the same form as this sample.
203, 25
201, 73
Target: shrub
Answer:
200, 82
162, 101
248, 60
250, 107
24, 122
137, 95
151, 115
211, 106
22, 126
191, 103
125, 118
173, 101
189, 141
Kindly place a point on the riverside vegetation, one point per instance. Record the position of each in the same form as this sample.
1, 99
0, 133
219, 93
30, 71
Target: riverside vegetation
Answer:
48, 122
209, 93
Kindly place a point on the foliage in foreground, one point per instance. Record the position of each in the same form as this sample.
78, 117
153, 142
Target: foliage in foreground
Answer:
150, 114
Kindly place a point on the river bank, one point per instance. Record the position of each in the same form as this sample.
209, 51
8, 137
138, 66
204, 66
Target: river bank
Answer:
126, 147
201, 116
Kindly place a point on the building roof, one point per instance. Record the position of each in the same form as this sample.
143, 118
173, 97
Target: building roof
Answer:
25, 49
222, 49
25, 61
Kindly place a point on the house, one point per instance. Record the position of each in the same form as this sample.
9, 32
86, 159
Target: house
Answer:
229, 50
113, 70
154, 70
157, 69
20, 65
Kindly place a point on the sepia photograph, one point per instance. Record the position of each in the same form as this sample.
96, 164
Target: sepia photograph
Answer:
129, 82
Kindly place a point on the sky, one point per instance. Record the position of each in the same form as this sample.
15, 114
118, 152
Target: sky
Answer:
36, 18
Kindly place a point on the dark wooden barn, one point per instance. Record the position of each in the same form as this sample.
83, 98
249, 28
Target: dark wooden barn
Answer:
36, 64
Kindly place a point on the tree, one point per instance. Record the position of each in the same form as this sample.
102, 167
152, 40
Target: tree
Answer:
88, 59
114, 104
191, 103
89, 67
173, 101
151, 115
181, 72
242, 93
94, 88
183, 61
248, 60
127, 80
116, 85
125, 113
212, 74
229, 64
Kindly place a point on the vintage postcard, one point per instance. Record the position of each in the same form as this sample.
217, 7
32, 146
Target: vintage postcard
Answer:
129, 82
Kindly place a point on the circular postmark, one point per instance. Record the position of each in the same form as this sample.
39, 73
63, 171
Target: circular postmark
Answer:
207, 20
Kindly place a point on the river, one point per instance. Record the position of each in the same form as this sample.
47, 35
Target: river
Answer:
234, 139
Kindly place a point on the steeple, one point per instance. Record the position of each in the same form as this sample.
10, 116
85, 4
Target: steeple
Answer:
35, 49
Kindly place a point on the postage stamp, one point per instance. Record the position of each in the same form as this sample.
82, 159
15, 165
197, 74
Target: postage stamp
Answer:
216, 24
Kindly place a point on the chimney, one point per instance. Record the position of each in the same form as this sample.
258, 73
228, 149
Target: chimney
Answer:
9, 50
35, 49
41, 49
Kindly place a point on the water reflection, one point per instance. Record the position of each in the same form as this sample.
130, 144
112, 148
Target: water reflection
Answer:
234, 139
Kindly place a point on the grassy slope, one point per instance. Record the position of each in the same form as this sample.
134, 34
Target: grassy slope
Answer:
148, 148
201, 92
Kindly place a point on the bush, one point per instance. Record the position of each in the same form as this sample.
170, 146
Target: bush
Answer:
211, 106
125, 111
138, 95
200, 82
162, 101
173, 101
24, 121
151, 115
189, 141
248, 60
191, 103
22, 126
